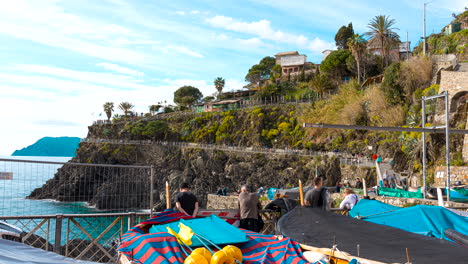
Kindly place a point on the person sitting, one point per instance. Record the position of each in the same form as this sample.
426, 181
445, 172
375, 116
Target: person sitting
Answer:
350, 199
318, 196
219, 191
224, 191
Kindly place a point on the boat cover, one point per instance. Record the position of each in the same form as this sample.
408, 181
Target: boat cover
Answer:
319, 228
12, 252
426, 220
399, 193
207, 227
458, 195
163, 248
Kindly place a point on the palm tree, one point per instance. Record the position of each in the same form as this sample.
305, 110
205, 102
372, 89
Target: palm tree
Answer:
219, 84
126, 107
382, 32
108, 109
321, 83
357, 44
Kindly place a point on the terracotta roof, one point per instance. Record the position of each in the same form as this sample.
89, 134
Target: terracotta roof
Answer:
287, 53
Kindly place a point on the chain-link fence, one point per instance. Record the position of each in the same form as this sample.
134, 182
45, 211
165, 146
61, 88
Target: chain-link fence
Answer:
56, 187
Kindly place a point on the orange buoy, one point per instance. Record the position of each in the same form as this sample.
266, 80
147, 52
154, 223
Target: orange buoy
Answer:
204, 252
222, 257
234, 251
196, 259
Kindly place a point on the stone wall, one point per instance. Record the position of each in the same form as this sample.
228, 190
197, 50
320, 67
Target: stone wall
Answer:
230, 202
397, 201
458, 173
453, 82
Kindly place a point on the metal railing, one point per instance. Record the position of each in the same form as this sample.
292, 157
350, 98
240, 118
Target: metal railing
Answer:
242, 104
345, 158
91, 237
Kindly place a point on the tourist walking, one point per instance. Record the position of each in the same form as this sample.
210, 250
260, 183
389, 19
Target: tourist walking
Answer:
186, 201
249, 206
318, 196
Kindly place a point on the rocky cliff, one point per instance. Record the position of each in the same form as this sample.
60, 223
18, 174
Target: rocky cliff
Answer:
205, 170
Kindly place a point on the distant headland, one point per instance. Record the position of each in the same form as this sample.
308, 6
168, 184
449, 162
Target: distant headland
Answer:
52, 147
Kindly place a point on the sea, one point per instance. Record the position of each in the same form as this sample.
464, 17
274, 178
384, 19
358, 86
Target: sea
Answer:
28, 176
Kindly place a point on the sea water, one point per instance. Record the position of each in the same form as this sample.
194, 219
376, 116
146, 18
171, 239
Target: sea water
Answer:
28, 176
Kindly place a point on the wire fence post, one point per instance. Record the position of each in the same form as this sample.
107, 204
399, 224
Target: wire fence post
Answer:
58, 233
151, 190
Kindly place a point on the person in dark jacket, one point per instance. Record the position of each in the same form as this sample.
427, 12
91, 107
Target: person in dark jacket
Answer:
318, 196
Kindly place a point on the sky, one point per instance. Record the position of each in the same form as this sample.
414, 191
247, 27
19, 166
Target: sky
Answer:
60, 61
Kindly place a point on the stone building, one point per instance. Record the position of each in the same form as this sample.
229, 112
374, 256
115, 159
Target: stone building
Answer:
291, 62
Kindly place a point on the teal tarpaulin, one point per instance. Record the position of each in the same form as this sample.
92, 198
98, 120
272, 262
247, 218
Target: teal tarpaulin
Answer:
399, 193
458, 196
421, 219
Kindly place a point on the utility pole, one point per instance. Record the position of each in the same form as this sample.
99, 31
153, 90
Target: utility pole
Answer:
407, 46
424, 28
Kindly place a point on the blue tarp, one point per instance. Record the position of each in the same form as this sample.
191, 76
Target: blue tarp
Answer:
457, 196
421, 219
271, 193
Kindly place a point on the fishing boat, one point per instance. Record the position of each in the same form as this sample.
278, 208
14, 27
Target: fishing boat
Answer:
380, 243
144, 246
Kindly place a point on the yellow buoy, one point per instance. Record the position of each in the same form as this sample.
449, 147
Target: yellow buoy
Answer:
196, 259
222, 257
234, 251
204, 252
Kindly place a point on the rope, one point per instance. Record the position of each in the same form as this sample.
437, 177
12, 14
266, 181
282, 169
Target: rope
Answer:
360, 217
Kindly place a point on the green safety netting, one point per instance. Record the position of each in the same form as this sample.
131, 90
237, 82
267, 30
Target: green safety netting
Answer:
399, 193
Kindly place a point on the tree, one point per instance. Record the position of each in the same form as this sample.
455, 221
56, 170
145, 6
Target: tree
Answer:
357, 45
342, 36
126, 107
154, 108
381, 32
321, 83
276, 72
260, 71
187, 95
335, 63
108, 109
219, 84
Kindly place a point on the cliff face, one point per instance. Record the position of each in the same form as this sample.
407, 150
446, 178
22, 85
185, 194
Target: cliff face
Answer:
205, 170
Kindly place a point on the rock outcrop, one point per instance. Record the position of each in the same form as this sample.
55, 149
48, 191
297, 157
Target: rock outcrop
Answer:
205, 170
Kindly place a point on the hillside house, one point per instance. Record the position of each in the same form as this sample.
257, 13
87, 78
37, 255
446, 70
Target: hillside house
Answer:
218, 106
398, 52
291, 62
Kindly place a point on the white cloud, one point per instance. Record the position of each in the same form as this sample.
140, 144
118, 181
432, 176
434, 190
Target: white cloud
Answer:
194, 12
181, 50
119, 69
47, 23
264, 30
182, 13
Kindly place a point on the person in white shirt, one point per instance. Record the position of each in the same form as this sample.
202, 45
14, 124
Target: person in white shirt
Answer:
350, 199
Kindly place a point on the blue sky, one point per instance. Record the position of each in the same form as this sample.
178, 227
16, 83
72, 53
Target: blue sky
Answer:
61, 60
